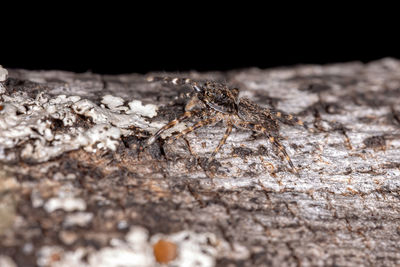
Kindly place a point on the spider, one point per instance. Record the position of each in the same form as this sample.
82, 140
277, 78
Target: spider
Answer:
215, 102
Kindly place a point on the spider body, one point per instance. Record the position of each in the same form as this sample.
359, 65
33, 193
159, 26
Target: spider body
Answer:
216, 102
219, 97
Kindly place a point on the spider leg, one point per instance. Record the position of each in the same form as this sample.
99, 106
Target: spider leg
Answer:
272, 139
222, 142
282, 149
197, 125
171, 124
174, 81
192, 103
287, 118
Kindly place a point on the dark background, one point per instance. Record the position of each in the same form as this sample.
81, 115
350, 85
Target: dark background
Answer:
125, 40
128, 56
142, 58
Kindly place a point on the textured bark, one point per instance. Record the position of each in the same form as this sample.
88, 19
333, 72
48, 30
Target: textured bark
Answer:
343, 209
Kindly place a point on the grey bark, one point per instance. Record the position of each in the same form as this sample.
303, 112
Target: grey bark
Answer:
343, 209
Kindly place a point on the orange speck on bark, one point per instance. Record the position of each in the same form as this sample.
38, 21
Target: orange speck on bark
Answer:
165, 251
55, 257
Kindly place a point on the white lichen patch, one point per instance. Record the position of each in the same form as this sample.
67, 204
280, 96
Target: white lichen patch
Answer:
194, 249
65, 203
112, 102
48, 255
102, 136
3, 77
30, 123
137, 107
136, 251
78, 219
6, 261
200, 249
36, 199
3, 74
103, 115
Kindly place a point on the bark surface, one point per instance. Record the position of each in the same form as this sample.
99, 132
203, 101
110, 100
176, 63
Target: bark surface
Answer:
75, 187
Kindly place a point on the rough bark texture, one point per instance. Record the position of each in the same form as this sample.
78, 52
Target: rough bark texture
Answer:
85, 204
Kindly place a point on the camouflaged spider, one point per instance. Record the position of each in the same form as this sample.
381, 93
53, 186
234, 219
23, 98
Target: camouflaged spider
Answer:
216, 102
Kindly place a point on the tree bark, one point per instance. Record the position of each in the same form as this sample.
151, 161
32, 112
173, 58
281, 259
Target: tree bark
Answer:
78, 186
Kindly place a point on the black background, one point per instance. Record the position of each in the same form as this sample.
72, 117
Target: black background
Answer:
140, 40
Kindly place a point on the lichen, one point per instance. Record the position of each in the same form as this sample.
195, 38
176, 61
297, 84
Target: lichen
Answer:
32, 124
113, 102
81, 219
65, 203
3, 74
3, 77
6, 261
148, 110
194, 249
